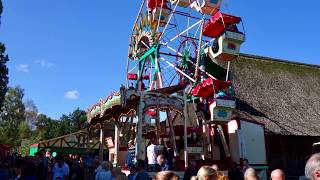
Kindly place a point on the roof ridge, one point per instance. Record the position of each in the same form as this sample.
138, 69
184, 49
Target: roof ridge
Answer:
279, 60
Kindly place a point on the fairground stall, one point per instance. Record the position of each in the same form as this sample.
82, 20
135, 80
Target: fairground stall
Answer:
179, 87
74, 143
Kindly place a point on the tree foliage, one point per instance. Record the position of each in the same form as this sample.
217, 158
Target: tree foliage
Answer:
1, 8
11, 116
4, 58
31, 114
21, 125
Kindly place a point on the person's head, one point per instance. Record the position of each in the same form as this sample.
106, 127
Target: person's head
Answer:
250, 174
152, 141
130, 143
245, 162
160, 159
206, 173
312, 169
194, 178
220, 176
277, 174
60, 160
105, 165
48, 154
161, 142
166, 175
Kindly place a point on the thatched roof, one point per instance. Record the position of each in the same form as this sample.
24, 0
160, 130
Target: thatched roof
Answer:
283, 95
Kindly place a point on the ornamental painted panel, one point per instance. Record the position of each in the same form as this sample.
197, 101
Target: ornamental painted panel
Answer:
164, 102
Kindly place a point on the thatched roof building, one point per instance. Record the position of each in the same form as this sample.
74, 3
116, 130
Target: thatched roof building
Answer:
283, 95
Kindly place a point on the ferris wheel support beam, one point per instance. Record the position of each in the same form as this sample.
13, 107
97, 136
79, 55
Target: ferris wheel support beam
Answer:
185, 132
199, 52
158, 73
135, 22
139, 148
159, 19
228, 69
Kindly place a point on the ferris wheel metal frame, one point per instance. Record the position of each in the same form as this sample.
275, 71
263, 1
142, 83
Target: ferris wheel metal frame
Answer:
157, 57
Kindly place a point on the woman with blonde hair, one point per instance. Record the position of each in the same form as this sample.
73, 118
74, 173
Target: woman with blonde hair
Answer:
220, 176
206, 173
166, 175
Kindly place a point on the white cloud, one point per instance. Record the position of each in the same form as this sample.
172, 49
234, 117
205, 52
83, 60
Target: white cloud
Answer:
44, 63
72, 95
23, 68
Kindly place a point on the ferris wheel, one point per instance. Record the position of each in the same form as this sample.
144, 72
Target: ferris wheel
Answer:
170, 38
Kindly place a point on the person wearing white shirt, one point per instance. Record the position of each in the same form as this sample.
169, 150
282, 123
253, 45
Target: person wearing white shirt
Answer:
152, 154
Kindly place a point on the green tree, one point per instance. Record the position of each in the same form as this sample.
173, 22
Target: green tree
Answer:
1, 8
31, 113
73, 122
45, 128
3, 67
12, 116
78, 120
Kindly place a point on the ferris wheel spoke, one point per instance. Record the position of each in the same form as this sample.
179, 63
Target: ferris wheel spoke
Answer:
205, 44
172, 49
132, 69
177, 28
165, 27
169, 77
173, 78
184, 31
169, 63
145, 44
197, 31
160, 15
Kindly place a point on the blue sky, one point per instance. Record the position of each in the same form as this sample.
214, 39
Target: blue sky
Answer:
70, 53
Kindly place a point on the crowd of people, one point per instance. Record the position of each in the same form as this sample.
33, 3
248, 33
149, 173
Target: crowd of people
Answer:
43, 166
73, 167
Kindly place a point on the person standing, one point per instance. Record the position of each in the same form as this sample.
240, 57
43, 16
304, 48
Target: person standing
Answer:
130, 157
152, 151
60, 169
104, 173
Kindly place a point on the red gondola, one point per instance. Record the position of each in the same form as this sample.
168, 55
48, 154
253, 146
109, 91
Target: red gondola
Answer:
219, 23
209, 86
152, 4
133, 76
